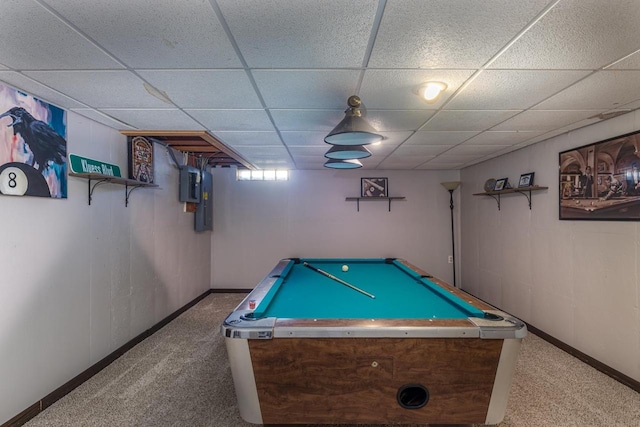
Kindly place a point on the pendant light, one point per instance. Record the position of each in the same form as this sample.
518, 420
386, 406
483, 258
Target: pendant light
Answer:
346, 152
353, 129
343, 164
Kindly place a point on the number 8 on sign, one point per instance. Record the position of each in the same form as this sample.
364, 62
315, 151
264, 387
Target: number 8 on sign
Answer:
13, 181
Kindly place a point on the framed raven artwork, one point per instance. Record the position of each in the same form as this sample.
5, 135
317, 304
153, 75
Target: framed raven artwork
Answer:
33, 146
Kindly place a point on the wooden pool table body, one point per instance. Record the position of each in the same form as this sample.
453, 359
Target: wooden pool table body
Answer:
333, 371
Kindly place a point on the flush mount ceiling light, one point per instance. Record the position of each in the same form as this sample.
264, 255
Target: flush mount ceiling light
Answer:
346, 152
430, 91
353, 129
343, 164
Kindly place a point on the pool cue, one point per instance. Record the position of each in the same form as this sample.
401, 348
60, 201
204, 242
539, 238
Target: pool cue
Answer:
373, 184
331, 276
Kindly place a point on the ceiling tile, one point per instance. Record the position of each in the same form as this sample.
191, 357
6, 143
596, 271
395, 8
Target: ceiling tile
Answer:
307, 120
438, 35
392, 138
100, 89
305, 139
374, 161
267, 157
160, 119
299, 61
397, 120
394, 162
205, 88
233, 120
301, 33
397, 89
602, 90
102, 118
309, 151
468, 120
264, 151
380, 151
439, 137
475, 150
25, 84
447, 158
306, 89
512, 90
154, 34
420, 150
577, 34
631, 62
499, 153
629, 106
274, 162
502, 137
542, 120
39, 40
572, 126
441, 165
237, 139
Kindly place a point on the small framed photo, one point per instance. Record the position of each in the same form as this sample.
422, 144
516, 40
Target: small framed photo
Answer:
501, 184
374, 187
526, 180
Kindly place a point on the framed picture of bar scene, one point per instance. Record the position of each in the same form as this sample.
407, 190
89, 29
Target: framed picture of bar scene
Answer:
601, 181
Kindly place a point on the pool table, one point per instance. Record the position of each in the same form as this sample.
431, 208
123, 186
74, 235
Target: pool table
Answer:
627, 207
383, 342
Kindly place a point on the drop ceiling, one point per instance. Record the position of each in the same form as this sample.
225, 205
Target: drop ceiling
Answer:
270, 79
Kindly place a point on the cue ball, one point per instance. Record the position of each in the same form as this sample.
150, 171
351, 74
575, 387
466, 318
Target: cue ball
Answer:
345, 268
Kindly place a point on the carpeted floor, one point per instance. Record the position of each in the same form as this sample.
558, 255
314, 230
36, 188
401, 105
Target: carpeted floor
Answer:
180, 377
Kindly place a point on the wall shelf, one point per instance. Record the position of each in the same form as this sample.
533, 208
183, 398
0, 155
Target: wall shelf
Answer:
129, 184
525, 191
372, 199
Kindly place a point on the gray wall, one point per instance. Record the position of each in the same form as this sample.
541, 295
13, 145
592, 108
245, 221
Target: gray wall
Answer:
257, 223
579, 281
79, 281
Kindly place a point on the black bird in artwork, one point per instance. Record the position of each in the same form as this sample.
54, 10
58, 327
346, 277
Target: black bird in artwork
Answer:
45, 143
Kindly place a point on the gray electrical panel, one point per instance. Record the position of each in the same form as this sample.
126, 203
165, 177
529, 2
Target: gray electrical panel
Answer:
190, 184
204, 209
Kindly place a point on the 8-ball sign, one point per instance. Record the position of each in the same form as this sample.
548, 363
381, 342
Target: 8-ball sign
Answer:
20, 179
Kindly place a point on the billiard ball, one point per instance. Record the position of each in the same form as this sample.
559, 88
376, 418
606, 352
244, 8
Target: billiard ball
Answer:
345, 268
13, 181
20, 179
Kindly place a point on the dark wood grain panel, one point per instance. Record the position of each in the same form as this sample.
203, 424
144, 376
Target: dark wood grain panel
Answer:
356, 380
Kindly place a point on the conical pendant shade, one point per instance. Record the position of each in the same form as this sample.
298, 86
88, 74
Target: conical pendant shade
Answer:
353, 129
346, 152
343, 164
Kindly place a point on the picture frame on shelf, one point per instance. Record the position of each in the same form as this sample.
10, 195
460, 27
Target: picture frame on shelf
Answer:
501, 184
140, 159
374, 187
489, 185
526, 180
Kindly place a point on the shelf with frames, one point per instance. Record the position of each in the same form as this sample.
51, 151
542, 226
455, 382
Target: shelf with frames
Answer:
525, 191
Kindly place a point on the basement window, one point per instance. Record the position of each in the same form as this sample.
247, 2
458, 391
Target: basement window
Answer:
262, 175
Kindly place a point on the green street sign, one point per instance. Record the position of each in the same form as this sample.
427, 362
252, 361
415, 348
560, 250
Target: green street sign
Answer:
86, 165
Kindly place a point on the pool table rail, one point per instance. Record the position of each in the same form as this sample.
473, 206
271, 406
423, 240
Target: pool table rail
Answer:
238, 325
478, 303
242, 324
